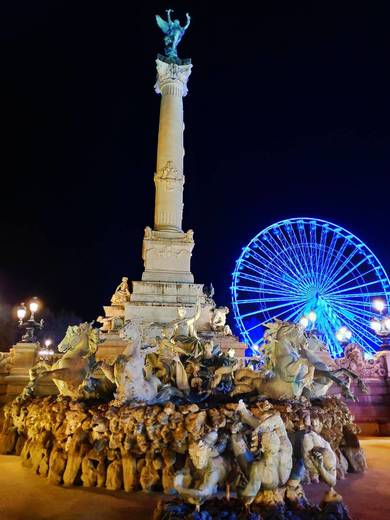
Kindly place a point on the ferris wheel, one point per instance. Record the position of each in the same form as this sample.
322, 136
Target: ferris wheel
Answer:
313, 271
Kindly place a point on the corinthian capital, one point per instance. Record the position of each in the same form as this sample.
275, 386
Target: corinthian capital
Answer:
171, 73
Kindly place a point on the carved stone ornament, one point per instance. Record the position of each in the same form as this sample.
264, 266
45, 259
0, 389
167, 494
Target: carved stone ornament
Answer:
170, 175
171, 72
168, 252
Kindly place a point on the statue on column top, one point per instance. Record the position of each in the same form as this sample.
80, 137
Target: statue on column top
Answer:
173, 33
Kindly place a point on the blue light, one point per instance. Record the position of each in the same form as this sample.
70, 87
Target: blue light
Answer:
303, 264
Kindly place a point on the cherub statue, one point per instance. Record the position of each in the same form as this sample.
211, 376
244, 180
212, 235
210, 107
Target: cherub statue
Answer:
173, 33
122, 293
205, 471
106, 323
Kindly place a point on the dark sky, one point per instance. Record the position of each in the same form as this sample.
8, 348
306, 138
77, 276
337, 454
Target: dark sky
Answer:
288, 115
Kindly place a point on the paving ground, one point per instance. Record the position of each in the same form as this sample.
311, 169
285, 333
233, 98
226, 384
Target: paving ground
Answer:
25, 496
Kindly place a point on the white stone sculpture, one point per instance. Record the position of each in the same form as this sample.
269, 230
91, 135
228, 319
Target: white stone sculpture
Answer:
210, 470
295, 365
76, 373
127, 371
319, 458
271, 469
218, 319
190, 323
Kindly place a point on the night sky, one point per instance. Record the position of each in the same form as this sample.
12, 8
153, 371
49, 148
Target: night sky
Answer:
287, 115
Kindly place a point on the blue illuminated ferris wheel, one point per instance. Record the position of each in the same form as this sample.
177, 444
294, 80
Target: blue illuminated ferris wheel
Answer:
308, 267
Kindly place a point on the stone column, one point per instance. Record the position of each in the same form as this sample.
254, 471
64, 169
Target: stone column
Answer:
169, 179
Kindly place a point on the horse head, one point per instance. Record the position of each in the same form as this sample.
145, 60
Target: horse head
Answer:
80, 336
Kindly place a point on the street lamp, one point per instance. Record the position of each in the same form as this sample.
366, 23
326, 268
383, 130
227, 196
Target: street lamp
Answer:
308, 320
46, 353
381, 325
30, 325
343, 335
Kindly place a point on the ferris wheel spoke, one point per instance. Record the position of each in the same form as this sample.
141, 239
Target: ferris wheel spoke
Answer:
267, 275
350, 317
302, 258
308, 256
260, 281
296, 312
329, 257
262, 290
333, 282
354, 279
269, 300
353, 308
322, 257
357, 295
267, 309
289, 260
360, 286
275, 267
342, 262
280, 254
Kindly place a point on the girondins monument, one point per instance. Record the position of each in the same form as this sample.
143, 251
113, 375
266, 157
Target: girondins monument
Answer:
167, 290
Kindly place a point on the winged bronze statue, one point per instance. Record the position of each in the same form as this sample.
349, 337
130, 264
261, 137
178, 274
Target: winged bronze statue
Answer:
173, 33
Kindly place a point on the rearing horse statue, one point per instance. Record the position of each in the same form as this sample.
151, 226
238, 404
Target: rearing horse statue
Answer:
296, 364
77, 374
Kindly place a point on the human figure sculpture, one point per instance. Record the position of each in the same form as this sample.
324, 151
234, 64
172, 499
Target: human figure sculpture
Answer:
270, 468
190, 323
122, 293
127, 371
206, 470
106, 323
319, 458
218, 319
173, 33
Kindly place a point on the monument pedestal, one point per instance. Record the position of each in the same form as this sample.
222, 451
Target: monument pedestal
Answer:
167, 256
24, 357
159, 301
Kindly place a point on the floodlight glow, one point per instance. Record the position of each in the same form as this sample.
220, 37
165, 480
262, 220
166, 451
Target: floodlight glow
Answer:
21, 312
375, 325
304, 322
48, 342
379, 305
312, 316
34, 305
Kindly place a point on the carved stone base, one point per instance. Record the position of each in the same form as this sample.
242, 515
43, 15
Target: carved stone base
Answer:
159, 301
167, 256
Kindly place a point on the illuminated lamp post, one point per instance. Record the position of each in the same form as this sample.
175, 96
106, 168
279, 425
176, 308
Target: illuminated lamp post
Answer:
46, 353
308, 321
344, 335
381, 325
30, 326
